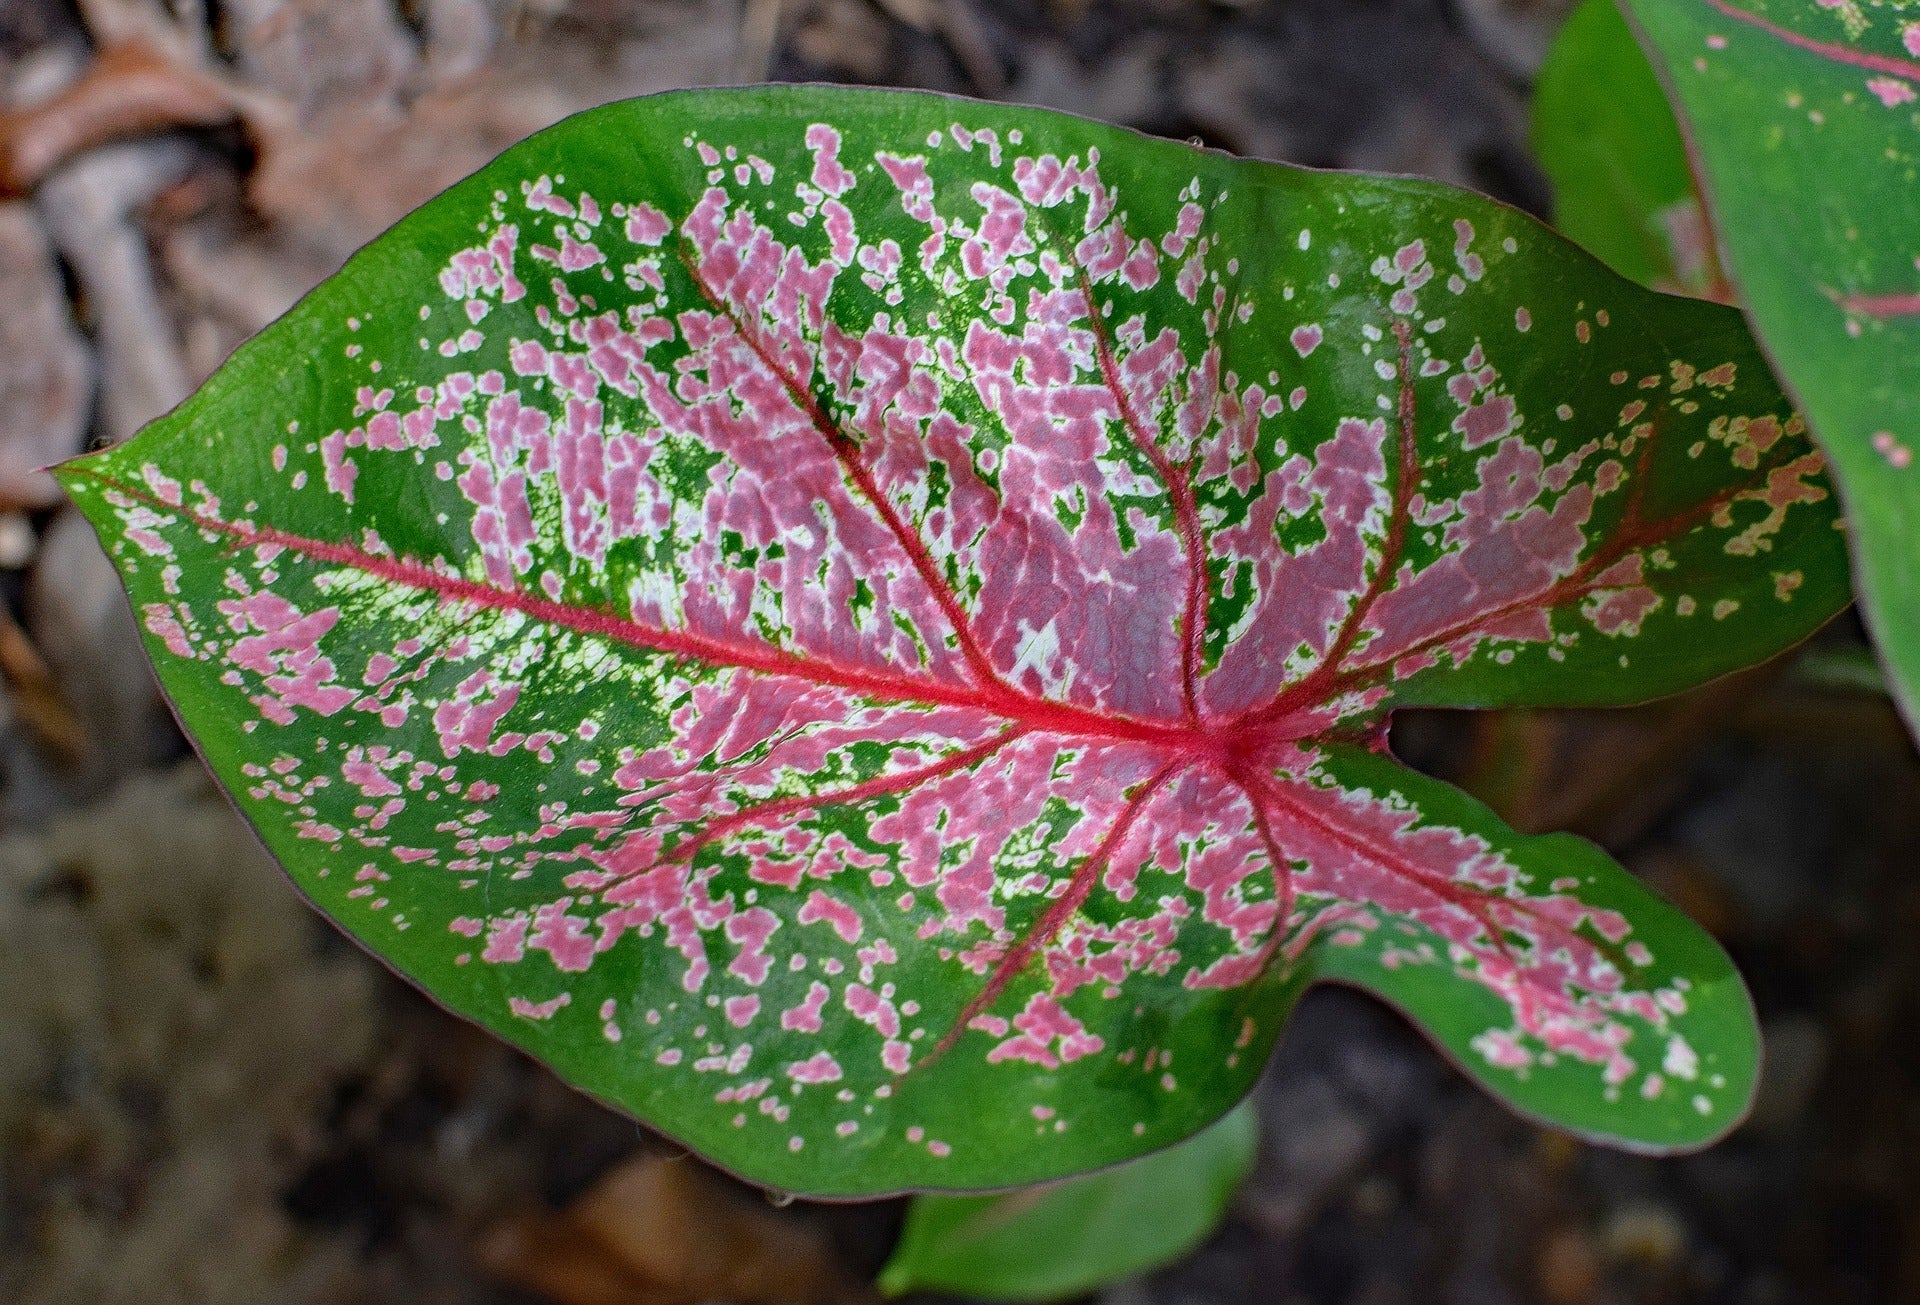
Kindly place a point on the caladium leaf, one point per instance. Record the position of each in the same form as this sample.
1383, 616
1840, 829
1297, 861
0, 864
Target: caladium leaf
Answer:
1803, 116
1622, 185
850, 623
1069, 1238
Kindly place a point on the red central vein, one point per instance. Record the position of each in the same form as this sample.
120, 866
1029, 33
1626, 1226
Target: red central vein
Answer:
1476, 902
1186, 511
1633, 535
1031, 713
1633, 515
1405, 479
1880, 306
847, 452
1044, 930
1831, 50
1575, 584
880, 786
1284, 888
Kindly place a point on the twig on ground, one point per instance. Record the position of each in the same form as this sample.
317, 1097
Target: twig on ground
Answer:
759, 33
89, 207
36, 697
128, 90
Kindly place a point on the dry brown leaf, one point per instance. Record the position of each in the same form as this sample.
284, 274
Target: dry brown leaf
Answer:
316, 56
664, 1231
128, 90
337, 182
93, 208
37, 700
850, 37
81, 625
1606, 773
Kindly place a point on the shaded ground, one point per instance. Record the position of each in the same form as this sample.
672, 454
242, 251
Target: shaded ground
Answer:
208, 1096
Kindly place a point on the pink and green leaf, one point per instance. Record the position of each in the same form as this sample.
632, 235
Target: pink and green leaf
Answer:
854, 625
1804, 116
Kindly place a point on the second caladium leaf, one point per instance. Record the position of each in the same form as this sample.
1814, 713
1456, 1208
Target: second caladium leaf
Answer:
1622, 185
857, 626
1804, 116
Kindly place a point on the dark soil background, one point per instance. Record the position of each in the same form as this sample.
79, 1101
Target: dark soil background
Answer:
206, 1096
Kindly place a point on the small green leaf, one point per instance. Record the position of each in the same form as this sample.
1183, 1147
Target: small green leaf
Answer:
1065, 1239
1805, 116
1607, 141
1846, 668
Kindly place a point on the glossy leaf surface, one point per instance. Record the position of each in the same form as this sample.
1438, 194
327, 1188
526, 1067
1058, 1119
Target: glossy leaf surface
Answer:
1603, 133
1069, 1238
850, 623
1805, 115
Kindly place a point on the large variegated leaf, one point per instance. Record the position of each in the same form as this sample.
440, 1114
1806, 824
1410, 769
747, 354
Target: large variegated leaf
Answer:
851, 623
1805, 119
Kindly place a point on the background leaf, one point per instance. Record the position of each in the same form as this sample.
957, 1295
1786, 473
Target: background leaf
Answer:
1622, 186
1069, 1238
1804, 117
840, 620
